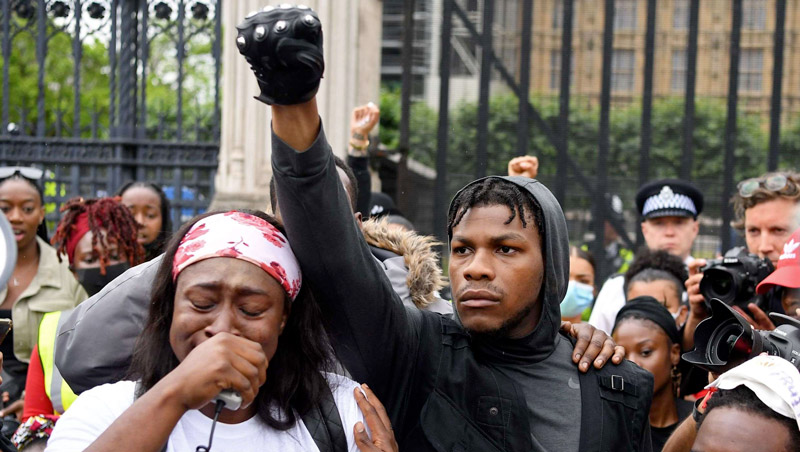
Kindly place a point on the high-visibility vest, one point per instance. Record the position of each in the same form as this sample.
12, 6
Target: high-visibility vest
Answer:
57, 390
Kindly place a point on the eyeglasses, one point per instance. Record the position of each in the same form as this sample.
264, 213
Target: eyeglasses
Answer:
775, 182
24, 171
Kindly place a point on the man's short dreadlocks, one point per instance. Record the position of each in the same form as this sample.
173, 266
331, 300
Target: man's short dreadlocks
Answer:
105, 215
496, 191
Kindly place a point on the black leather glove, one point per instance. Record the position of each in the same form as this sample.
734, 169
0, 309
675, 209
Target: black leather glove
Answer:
283, 45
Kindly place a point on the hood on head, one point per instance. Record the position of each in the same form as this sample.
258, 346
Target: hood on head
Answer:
555, 251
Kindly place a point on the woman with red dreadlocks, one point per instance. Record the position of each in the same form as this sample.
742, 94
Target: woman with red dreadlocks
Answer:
99, 238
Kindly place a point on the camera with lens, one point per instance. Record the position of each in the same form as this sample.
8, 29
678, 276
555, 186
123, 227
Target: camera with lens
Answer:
725, 340
733, 279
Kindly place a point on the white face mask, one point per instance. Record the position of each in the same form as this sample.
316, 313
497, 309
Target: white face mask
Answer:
579, 297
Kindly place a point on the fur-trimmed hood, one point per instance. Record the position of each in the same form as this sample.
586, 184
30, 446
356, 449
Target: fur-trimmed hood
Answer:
424, 277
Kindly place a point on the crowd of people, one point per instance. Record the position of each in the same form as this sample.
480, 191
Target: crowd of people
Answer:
329, 324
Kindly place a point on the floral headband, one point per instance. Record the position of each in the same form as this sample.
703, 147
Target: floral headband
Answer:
241, 236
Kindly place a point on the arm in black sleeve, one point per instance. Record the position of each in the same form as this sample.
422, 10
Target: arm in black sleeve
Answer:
375, 336
360, 167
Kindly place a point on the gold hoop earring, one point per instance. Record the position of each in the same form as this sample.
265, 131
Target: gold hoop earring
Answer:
675, 375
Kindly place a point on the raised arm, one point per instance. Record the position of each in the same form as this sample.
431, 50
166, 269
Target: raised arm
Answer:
374, 335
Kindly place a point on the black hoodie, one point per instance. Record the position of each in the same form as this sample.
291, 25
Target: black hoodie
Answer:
443, 390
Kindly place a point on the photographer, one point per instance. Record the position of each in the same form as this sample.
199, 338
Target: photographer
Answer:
767, 210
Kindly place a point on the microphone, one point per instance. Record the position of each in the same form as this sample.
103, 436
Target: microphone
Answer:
230, 399
227, 398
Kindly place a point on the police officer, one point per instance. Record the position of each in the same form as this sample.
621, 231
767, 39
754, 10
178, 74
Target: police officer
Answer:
669, 210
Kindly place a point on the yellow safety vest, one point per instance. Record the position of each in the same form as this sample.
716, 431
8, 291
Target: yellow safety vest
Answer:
57, 390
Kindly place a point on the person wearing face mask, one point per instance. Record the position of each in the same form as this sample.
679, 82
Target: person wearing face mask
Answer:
99, 239
580, 289
658, 274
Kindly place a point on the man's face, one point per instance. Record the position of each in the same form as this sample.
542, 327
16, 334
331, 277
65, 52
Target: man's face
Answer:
674, 235
496, 272
728, 429
768, 225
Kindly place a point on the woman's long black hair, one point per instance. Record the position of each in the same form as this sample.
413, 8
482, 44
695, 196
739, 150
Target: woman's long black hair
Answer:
294, 380
157, 246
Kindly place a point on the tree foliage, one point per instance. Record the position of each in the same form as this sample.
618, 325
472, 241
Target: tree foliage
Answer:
583, 141
161, 85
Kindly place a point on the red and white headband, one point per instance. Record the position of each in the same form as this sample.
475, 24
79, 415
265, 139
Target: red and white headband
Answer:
241, 236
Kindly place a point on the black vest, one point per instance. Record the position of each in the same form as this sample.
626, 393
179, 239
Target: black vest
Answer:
474, 407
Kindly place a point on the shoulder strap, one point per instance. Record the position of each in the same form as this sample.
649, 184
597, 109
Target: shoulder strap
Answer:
325, 425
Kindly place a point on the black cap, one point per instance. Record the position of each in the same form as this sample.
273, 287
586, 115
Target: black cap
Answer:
381, 204
669, 198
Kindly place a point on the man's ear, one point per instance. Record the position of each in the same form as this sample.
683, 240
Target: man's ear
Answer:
359, 219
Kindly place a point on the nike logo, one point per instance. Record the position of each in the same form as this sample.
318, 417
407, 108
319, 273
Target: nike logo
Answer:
573, 384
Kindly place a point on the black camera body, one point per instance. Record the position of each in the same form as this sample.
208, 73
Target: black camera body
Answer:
726, 340
733, 279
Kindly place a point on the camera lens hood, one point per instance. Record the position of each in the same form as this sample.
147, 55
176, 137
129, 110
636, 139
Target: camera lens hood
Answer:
723, 340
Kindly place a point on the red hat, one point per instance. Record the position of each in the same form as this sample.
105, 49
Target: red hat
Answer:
788, 272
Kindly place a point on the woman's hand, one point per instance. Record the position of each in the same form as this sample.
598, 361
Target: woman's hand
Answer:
593, 345
222, 362
378, 422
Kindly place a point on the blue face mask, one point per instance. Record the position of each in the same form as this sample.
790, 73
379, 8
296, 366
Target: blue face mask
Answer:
579, 297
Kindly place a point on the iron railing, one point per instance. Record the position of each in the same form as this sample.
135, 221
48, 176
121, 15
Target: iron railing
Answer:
570, 179
125, 90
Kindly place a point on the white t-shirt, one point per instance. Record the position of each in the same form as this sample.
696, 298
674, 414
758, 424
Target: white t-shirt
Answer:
96, 409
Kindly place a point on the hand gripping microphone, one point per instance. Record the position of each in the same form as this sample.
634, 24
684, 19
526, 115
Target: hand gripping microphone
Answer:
230, 399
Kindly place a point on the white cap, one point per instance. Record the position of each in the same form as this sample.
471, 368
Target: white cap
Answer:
775, 381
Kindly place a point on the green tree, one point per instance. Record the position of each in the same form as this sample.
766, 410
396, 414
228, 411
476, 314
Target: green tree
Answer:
583, 142
161, 87
790, 147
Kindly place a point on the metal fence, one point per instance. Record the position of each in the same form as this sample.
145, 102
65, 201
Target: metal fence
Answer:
603, 35
99, 93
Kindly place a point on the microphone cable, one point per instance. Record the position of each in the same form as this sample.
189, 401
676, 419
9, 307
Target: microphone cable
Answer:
218, 409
